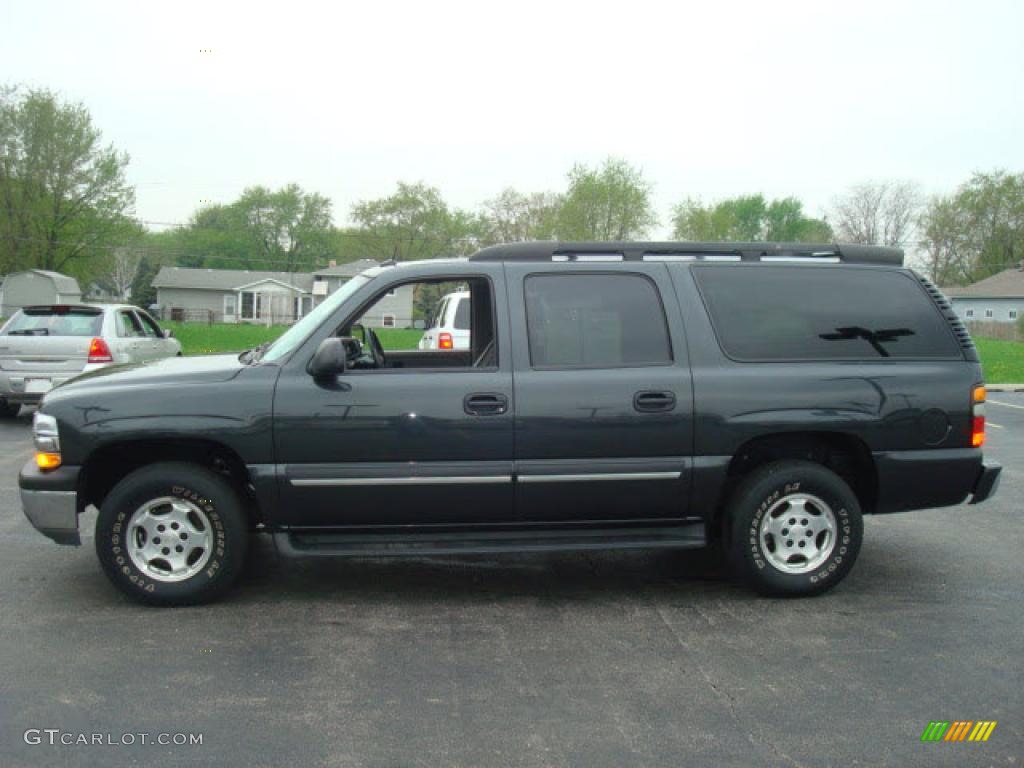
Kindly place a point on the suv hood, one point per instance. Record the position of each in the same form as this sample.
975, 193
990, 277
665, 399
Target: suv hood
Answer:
168, 372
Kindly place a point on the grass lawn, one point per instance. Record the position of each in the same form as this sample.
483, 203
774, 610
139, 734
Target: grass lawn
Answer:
202, 339
1002, 361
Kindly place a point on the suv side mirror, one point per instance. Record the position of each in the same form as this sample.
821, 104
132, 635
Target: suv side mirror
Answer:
329, 359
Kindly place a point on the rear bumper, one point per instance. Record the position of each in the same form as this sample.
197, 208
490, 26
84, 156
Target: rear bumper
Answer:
933, 478
13, 387
988, 482
50, 502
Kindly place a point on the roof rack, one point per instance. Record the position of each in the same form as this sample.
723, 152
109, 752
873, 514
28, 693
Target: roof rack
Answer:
549, 250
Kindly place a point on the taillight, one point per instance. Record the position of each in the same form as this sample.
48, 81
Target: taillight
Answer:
978, 417
99, 352
444, 341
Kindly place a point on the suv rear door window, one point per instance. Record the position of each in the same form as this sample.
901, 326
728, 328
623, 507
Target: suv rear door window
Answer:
588, 320
766, 313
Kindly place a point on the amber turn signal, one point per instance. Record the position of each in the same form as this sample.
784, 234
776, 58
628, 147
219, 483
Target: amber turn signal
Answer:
47, 460
979, 394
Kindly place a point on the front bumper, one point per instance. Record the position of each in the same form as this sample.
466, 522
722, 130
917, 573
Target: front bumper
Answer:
987, 483
50, 502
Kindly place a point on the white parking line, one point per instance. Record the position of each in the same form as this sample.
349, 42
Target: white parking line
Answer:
1008, 405
993, 424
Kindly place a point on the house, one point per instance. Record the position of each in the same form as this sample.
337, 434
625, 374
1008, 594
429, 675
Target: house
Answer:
37, 286
996, 299
235, 295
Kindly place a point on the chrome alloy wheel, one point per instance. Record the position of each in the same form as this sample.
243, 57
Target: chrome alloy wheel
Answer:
169, 539
798, 533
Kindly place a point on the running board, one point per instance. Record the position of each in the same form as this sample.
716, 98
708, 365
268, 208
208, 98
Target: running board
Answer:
293, 544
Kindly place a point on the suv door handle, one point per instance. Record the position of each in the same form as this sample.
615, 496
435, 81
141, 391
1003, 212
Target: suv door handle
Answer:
654, 402
485, 404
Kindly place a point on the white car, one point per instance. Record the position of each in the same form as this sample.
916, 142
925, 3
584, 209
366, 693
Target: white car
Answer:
449, 328
43, 346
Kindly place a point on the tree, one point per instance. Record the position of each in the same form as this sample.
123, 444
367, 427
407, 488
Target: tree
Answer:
63, 195
514, 217
977, 231
123, 271
947, 252
612, 202
878, 213
414, 223
288, 230
748, 218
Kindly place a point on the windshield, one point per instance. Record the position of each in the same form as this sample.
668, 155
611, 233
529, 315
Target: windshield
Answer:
301, 330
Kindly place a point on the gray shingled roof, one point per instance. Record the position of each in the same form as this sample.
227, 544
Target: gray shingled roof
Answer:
225, 279
1008, 284
351, 269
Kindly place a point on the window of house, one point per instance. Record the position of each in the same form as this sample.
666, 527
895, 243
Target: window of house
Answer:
252, 305
229, 305
988, 314
387, 321
1013, 314
583, 320
392, 292
969, 313
765, 313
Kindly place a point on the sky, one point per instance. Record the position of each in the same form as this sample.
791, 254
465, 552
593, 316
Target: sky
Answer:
709, 99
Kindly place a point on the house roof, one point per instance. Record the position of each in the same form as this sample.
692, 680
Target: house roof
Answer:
351, 269
62, 283
1008, 284
226, 279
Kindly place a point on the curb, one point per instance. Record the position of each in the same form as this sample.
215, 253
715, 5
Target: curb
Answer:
1005, 387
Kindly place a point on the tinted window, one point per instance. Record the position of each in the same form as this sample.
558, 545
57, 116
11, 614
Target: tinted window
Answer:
55, 322
822, 313
595, 320
462, 315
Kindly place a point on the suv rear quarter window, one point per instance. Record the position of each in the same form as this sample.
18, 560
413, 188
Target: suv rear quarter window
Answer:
778, 313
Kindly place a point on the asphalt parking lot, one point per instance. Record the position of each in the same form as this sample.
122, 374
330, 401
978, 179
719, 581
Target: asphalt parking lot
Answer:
596, 660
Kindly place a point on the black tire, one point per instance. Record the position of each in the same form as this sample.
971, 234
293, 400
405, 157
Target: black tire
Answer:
753, 555
9, 410
199, 487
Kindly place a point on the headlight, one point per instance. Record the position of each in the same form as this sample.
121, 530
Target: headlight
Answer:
47, 441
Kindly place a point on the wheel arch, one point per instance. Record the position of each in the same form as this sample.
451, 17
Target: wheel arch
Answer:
112, 462
845, 454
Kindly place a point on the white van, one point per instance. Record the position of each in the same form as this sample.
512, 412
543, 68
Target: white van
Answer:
449, 327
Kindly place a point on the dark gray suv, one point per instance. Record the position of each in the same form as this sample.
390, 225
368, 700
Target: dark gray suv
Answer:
763, 397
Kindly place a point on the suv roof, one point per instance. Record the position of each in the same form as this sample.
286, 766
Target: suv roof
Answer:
686, 251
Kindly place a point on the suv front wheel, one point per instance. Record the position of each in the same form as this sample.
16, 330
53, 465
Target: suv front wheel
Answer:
796, 528
172, 534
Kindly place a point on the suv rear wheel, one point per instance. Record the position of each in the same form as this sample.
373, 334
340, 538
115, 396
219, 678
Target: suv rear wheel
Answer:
796, 528
172, 534
9, 410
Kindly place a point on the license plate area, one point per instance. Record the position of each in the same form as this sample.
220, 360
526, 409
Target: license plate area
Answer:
37, 386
